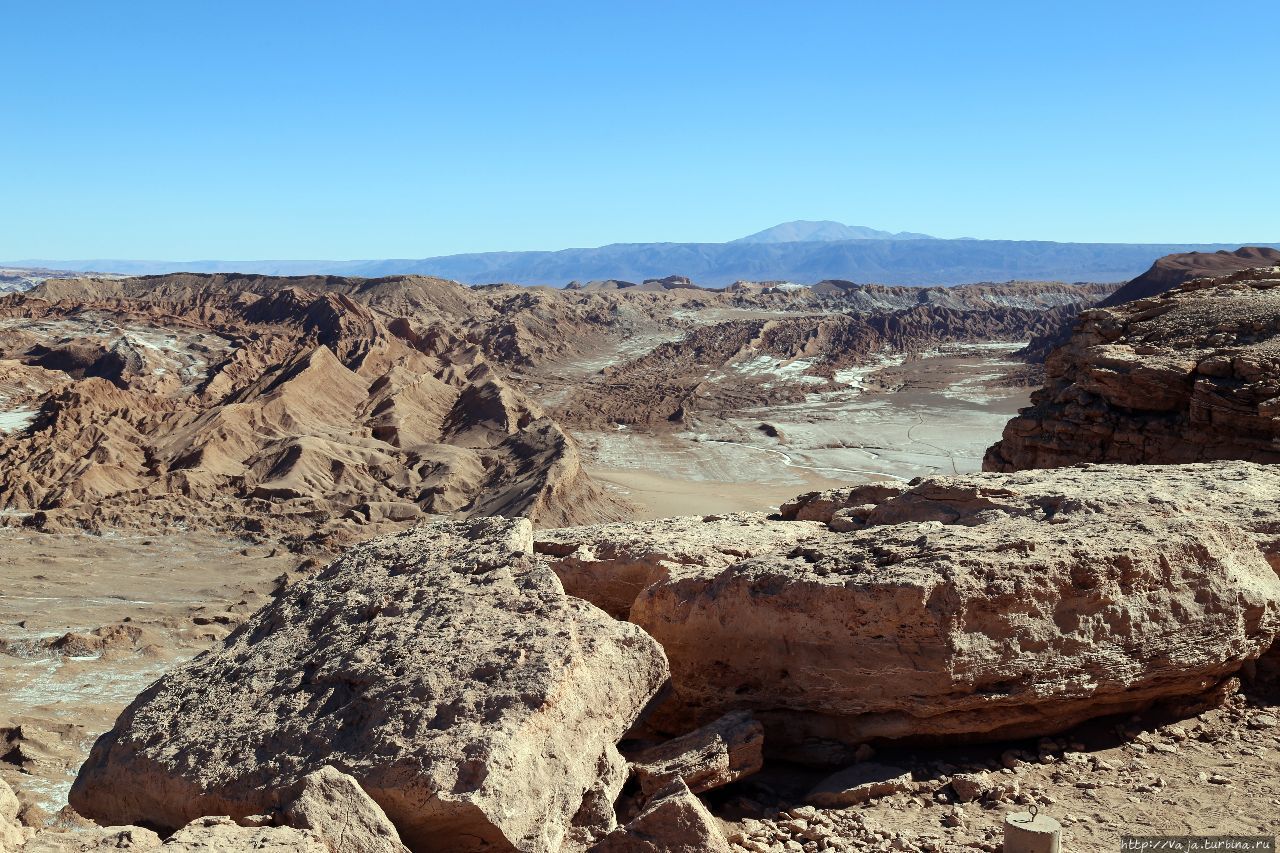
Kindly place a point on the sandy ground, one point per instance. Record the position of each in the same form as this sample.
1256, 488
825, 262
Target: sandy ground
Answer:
87, 622
936, 414
656, 496
1167, 773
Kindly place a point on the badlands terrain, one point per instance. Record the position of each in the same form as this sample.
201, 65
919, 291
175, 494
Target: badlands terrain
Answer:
420, 540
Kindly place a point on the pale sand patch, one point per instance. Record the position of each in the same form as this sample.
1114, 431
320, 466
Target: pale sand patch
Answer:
658, 496
182, 591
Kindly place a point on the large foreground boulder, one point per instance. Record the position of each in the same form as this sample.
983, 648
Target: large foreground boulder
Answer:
1006, 630
988, 606
611, 564
442, 668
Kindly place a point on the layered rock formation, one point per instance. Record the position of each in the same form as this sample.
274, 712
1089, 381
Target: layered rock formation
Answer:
443, 669
1187, 376
714, 369
322, 410
270, 406
974, 607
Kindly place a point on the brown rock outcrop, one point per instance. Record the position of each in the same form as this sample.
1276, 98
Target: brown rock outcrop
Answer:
725, 751
442, 668
985, 606
672, 821
1165, 274
1186, 376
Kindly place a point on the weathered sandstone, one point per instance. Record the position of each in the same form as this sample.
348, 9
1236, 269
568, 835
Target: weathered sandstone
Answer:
1238, 493
213, 834
724, 751
1001, 630
335, 807
984, 606
672, 821
134, 838
223, 834
443, 668
331, 814
609, 565
859, 783
12, 834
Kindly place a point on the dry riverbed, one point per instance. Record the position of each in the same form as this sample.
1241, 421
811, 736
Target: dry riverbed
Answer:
892, 420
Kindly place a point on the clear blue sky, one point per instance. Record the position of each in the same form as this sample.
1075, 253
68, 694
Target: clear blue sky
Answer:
274, 129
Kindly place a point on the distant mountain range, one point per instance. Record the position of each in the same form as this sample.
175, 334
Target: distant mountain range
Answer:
794, 251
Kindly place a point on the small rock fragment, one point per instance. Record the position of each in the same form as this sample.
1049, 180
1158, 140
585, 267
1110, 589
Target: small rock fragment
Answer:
335, 807
714, 755
672, 821
859, 783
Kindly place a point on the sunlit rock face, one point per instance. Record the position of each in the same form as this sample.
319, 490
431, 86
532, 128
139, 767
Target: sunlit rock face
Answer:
976, 607
444, 669
1191, 375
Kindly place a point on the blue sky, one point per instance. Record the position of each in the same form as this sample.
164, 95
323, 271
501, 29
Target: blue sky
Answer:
186, 130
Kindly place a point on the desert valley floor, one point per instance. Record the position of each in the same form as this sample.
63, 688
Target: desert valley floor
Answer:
897, 419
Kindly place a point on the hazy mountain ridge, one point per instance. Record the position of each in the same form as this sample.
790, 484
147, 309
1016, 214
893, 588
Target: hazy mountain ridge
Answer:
826, 250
